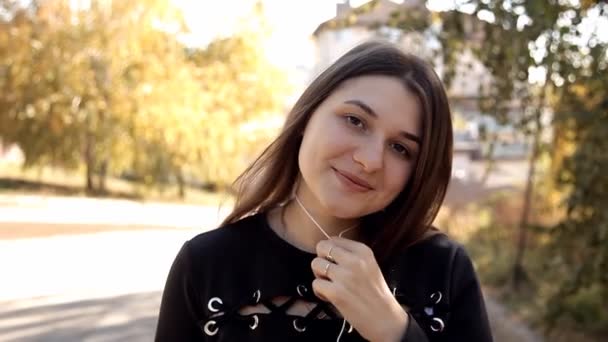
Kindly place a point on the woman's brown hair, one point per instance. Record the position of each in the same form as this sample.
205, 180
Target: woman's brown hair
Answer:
270, 179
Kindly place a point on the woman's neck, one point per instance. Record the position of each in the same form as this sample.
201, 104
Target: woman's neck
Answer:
301, 230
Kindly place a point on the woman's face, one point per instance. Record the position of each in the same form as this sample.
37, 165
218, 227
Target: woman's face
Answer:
360, 146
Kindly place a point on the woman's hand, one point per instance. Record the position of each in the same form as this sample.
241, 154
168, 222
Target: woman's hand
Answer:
354, 284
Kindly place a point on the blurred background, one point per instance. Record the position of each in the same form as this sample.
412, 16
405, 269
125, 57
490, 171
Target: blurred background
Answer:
123, 124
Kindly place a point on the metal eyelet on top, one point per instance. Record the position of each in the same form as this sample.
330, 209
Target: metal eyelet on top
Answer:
209, 326
301, 290
295, 326
437, 324
256, 296
214, 300
255, 323
437, 295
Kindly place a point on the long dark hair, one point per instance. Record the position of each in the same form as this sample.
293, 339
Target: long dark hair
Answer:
270, 179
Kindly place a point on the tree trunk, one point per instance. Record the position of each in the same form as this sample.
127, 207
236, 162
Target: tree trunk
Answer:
519, 273
103, 171
181, 184
89, 160
490, 162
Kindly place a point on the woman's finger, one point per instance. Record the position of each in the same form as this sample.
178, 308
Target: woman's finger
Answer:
353, 246
325, 269
332, 252
324, 289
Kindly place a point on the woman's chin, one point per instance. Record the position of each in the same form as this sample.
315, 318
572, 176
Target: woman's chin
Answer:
346, 212
344, 207
347, 216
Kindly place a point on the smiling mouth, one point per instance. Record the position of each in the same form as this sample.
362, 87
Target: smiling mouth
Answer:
350, 183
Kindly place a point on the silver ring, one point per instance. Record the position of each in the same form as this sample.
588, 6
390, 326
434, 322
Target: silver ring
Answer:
295, 326
214, 300
301, 289
329, 257
208, 327
256, 296
435, 294
439, 322
255, 322
327, 270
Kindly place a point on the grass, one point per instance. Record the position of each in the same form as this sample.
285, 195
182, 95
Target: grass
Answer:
59, 182
489, 229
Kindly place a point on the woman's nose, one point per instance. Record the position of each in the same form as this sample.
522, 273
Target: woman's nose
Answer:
369, 156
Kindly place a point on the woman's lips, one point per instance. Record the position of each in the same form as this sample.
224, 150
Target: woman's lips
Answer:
349, 183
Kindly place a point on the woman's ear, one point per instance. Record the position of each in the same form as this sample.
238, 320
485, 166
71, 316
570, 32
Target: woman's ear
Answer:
296, 184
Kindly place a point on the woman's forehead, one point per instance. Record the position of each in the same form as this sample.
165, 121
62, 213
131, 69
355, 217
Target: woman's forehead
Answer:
385, 96
371, 86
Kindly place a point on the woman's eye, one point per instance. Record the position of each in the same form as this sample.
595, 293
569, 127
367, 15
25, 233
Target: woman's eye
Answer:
355, 121
401, 149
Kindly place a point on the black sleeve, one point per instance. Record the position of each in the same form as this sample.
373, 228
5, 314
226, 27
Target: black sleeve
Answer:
178, 318
468, 318
414, 332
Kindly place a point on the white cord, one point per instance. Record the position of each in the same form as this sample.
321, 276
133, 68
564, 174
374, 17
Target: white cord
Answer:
341, 330
327, 235
317, 224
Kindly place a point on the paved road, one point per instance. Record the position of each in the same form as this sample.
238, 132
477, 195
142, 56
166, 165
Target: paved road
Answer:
506, 328
82, 210
132, 317
93, 287
504, 173
102, 286
106, 286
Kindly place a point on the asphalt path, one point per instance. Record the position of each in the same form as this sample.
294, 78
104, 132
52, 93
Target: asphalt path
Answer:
80, 269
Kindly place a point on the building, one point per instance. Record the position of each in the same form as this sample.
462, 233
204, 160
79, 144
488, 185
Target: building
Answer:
353, 25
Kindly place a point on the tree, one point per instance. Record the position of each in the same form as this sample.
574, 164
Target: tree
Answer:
516, 40
65, 91
109, 87
547, 38
79, 88
241, 87
581, 237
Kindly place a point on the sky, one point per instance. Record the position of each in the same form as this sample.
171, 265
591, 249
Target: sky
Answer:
208, 18
292, 21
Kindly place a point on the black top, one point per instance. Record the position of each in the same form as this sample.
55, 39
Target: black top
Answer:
247, 264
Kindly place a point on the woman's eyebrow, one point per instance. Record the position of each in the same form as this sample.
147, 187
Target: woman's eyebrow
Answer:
371, 112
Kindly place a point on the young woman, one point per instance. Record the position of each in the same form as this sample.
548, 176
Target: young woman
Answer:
331, 237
